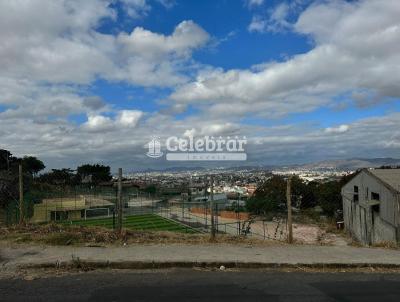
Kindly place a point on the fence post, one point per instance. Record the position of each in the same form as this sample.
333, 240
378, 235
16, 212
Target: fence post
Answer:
212, 209
113, 219
21, 196
119, 200
289, 208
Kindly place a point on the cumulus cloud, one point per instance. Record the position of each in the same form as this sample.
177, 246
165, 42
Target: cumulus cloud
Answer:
186, 36
156, 59
101, 123
98, 123
358, 53
129, 118
51, 51
339, 129
57, 42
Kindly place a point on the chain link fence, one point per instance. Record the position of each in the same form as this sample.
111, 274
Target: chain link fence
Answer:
98, 205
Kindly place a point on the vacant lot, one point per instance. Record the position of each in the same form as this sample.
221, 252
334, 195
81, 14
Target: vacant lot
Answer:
150, 222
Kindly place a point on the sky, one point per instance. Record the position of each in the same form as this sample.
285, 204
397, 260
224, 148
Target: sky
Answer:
304, 80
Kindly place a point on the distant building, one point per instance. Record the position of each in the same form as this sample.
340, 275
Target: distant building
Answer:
218, 198
371, 206
60, 209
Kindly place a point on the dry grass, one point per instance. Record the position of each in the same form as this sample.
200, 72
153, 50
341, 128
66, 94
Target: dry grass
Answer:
57, 234
386, 245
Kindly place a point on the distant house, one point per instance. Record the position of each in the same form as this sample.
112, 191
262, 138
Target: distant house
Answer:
219, 199
371, 206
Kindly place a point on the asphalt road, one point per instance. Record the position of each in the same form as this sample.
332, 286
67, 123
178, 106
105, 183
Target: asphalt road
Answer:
191, 285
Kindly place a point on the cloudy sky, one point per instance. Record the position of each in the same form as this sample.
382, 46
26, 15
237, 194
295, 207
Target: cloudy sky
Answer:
303, 80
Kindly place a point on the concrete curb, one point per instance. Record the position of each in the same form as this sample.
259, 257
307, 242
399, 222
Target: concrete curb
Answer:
92, 265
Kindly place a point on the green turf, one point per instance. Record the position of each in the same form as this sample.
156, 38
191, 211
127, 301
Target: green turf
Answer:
149, 222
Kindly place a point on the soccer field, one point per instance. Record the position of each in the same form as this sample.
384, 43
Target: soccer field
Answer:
150, 222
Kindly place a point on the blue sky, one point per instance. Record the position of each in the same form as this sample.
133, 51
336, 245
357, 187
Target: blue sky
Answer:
304, 80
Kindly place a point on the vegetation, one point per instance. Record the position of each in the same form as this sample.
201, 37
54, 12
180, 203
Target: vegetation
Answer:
271, 195
32, 165
93, 174
9, 175
64, 177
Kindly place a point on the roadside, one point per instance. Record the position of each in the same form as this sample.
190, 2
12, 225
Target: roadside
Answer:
19, 256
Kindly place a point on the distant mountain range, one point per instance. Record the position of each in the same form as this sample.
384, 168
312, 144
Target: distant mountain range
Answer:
339, 165
351, 164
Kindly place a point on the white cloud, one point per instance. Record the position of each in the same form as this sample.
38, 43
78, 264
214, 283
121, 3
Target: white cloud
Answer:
276, 20
57, 42
124, 118
98, 123
129, 118
186, 37
50, 51
258, 24
339, 129
254, 3
136, 8
362, 52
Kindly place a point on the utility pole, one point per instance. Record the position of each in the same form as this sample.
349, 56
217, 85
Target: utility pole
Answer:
289, 208
21, 196
119, 201
212, 208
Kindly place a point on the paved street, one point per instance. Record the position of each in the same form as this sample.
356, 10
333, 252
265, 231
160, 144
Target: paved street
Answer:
190, 285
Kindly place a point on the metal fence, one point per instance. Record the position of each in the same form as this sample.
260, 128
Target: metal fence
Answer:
198, 216
86, 203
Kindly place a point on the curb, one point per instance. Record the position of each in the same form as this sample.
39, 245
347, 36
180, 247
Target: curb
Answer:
91, 265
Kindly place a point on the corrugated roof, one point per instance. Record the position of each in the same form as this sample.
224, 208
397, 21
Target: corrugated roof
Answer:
390, 176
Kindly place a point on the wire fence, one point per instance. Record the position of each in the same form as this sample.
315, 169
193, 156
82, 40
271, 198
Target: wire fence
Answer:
79, 204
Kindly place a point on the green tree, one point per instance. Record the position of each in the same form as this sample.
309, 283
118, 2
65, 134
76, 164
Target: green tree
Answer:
32, 165
269, 196
152, 189
94, 174
329, 197
9, 178
7, 161
64, 177
303, 194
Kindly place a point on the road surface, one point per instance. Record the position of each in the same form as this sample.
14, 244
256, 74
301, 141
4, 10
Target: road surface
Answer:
192, 285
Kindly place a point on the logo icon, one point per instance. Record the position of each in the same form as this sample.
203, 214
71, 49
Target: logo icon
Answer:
154, 148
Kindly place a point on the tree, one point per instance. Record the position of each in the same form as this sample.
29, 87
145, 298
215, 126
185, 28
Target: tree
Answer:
329, 197
65, 177
9, 178
303, 194
94, 174
7, 161
269, 196
32, 165
152, 189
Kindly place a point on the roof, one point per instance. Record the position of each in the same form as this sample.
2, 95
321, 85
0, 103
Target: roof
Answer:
390, 177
